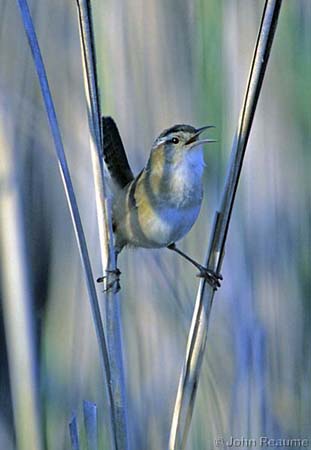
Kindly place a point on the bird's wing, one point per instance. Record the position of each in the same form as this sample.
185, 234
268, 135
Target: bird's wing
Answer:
114, 154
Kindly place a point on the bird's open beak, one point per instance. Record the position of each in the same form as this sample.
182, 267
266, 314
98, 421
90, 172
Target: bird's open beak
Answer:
193, 141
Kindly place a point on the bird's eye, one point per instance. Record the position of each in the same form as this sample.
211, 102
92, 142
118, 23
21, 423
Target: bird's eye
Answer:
175, 140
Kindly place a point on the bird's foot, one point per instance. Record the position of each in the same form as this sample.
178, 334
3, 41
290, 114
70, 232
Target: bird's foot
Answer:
211, 277
111, 280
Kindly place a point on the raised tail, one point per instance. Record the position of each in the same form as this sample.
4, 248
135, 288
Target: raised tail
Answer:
114, 154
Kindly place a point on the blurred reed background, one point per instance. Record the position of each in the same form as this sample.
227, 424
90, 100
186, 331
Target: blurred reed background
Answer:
160, 63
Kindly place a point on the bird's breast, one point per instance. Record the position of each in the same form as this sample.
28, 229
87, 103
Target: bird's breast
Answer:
170, 203
162, 204
167, 225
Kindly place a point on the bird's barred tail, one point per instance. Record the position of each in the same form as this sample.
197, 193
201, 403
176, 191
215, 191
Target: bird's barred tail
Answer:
114, 154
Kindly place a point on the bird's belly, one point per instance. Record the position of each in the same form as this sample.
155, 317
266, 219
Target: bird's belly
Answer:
166, 225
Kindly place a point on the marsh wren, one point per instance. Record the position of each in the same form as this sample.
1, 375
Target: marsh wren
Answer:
159, 206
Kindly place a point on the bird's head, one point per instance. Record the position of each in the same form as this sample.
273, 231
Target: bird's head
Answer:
179, 140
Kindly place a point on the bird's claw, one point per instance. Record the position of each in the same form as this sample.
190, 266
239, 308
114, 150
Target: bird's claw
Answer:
211, 277
111, 280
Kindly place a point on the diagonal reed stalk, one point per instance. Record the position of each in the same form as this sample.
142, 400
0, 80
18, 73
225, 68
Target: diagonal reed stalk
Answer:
104, 218
73, 207
197, 337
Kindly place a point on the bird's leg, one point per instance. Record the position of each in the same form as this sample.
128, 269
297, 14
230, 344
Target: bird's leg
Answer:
112, 278
211, 277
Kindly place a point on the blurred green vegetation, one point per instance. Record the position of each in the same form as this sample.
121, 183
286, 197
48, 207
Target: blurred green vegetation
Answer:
162, 63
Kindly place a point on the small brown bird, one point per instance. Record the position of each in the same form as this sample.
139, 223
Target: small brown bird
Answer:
159, 206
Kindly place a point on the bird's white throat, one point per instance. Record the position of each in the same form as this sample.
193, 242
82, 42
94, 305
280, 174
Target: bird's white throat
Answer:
186, 178
190, 167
